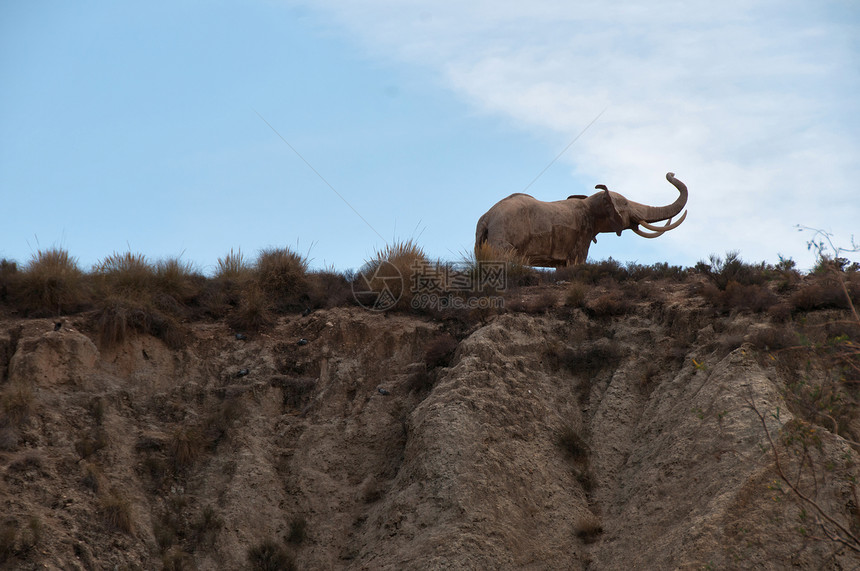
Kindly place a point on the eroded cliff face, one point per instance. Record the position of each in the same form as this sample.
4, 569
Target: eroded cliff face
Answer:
543, 441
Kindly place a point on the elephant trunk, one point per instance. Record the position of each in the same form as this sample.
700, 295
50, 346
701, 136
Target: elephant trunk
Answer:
645, 213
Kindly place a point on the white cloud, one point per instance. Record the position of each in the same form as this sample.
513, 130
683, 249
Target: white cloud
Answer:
751, 103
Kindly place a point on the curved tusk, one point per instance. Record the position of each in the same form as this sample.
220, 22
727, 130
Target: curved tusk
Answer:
646, 234
669, 225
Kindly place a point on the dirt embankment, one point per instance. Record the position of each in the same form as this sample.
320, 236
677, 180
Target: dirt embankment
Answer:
349, 439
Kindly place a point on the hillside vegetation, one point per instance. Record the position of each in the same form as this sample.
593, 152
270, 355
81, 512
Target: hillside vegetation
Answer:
605, 416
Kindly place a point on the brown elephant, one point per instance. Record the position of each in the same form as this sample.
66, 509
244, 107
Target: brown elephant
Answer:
559, 233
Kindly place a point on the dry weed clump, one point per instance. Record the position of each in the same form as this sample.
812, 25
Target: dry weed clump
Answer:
253, 313
177, 280
117, 317
51, 284
824, 292
185, 447
17, 402
8, 274
126, 275
116, 512
575, 296
608, 270
610, 304
518, 273
234, 267
327, 289
385, 280
773, 338
17, 540
269, 555
572, 443
282, 276
298, 530
735, 296
733, 269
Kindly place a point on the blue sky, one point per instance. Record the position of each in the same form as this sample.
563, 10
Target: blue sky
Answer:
134, 126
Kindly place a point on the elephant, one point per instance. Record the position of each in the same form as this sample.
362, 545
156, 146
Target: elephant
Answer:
557, 234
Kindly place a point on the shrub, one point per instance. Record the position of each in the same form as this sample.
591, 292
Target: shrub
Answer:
593, 272
823, 293
732, 269
51, 283
772, 338
608, 305
268, 555
576, 295
281, 274
735, 296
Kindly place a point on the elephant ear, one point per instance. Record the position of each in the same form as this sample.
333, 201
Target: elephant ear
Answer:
613, 211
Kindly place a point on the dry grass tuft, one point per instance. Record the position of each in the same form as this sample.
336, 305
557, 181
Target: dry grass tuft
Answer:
282, 276
570, 441
116, 512
575, 296
118, 317
517, 270
610, 304
178, 280
234, 267
254, 312
50, 284
185, 447
327, 289
269, 555
17, 402
128, 275
388, 275
8, 275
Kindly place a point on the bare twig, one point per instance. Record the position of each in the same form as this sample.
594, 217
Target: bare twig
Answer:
848, 539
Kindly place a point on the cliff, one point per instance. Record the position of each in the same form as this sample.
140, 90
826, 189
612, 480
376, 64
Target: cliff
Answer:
547, 436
